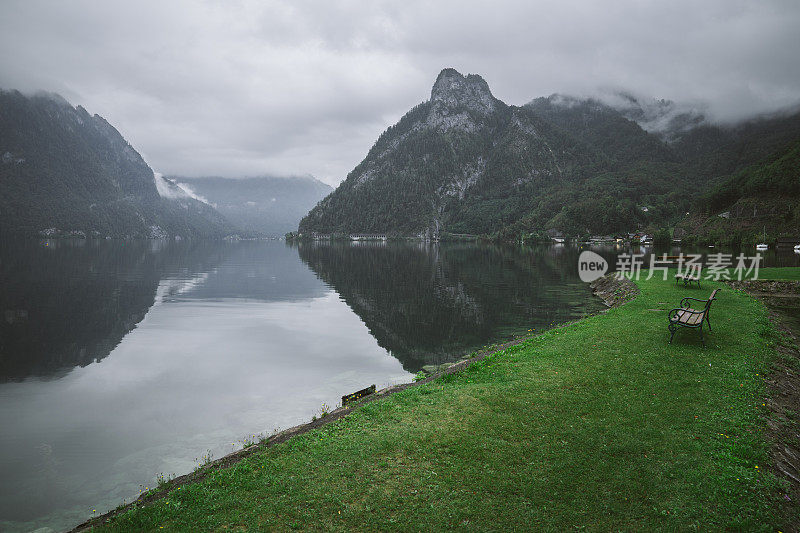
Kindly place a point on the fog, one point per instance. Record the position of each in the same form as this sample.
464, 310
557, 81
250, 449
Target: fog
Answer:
248, 88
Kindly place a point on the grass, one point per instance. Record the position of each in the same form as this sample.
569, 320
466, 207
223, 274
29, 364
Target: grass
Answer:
598, 425
780, 273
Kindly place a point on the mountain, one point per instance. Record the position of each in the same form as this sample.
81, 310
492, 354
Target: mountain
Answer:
269, 205
64, 171
462, 162
465, 162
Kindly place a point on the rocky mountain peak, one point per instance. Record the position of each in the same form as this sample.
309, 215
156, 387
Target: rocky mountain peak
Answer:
455, 90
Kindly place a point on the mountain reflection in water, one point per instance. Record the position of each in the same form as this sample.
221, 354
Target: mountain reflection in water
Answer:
432, 303
123, 360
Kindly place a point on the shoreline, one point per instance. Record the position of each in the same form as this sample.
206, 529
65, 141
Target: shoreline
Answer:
632, 393
612, 291
783, 382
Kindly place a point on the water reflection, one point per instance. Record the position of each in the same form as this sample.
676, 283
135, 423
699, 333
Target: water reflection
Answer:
69, 303
122, 360
194, 345
432, 303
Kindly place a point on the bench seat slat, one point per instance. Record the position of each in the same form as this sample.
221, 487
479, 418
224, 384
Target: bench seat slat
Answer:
688, 317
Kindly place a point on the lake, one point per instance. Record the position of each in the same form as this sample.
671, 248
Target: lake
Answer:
120, 361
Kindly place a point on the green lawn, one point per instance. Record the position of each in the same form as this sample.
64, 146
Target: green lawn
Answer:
598, 425
783, 273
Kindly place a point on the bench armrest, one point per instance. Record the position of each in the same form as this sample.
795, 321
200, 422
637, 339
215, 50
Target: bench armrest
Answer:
684, 302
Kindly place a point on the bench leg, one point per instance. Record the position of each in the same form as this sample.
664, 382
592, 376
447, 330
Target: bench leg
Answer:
672, 330
701, 335
709, 322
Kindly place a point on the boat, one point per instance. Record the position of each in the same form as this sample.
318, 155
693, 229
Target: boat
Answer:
762, 246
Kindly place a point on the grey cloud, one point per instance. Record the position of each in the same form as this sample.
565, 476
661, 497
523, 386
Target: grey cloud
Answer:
247, 87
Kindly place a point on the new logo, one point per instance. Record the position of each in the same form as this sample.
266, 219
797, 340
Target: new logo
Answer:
591, 266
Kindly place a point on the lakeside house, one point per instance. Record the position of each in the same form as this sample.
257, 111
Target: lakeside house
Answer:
787, 242
367, 237
556, 236
353, 236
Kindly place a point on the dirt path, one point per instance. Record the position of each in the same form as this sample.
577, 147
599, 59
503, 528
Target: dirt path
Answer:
782, 298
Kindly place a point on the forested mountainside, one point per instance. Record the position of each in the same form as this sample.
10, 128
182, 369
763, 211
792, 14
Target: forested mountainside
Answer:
465, 162
267, 205
777, 176
761, 198
64, 171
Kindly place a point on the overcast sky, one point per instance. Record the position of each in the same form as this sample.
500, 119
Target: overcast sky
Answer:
244, 88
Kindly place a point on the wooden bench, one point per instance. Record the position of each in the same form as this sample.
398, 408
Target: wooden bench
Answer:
687, 279
687, 317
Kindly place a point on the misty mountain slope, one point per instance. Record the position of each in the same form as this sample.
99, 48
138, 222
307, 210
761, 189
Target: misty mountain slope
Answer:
703, 147
693, 152
268, 205
664, 118
622, 139
764, 197
465, 162
721, 150
642, 184
778, 175
62, 168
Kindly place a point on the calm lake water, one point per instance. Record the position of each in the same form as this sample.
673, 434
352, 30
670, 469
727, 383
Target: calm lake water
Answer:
123, 360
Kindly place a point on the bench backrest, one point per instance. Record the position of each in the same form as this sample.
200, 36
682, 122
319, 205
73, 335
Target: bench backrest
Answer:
710, 299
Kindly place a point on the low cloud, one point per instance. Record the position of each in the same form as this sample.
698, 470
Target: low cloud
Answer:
176, 191
249, 88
